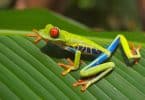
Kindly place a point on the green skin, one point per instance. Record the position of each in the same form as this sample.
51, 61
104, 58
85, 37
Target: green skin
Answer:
66, 39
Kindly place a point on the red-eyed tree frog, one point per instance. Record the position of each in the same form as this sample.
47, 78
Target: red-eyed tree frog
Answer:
78, 44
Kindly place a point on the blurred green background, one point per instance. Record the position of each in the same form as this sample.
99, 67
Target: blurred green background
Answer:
108, 15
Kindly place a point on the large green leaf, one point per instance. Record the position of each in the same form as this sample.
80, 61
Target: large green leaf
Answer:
29, 71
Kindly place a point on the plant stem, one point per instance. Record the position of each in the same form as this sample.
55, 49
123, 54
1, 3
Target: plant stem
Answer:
13, 32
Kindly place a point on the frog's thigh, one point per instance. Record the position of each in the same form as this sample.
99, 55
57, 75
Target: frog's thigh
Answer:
90, 71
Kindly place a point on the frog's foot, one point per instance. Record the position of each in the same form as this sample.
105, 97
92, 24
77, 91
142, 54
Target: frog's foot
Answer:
84, 83
68, 67
82, 62
36, 35
135, 51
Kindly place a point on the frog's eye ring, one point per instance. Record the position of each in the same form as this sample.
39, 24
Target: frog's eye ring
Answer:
54, 32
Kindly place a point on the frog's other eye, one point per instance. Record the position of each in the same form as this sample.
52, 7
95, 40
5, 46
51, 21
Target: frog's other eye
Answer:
54, 32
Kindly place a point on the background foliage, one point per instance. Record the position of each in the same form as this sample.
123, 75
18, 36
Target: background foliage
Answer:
99, 14
104, 14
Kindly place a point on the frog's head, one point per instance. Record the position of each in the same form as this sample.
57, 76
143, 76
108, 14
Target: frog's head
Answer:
51, 33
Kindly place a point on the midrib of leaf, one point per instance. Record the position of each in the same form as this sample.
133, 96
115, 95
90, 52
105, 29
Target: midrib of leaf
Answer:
7, 32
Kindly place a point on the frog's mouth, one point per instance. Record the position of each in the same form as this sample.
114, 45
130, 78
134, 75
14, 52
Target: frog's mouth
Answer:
37, 36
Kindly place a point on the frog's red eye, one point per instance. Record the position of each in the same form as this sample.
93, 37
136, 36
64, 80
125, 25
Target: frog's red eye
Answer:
54, 32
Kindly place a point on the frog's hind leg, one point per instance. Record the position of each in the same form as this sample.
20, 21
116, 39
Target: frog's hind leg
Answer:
131, 52
96, 67
102, 70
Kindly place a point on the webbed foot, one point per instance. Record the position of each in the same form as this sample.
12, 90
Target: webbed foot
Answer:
84, 83
135, 51
36, 35
68, 67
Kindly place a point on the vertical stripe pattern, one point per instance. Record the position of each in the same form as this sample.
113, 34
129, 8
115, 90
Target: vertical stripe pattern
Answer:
87, 50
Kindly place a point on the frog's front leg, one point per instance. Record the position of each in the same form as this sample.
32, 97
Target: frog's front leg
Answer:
36, 35
71, 65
